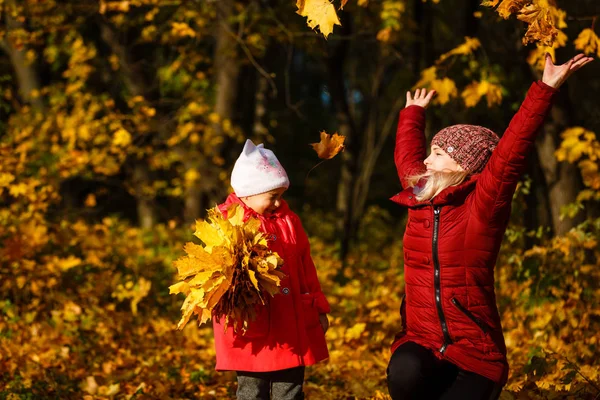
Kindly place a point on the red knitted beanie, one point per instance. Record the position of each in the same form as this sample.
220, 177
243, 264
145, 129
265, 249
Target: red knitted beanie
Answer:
469, 145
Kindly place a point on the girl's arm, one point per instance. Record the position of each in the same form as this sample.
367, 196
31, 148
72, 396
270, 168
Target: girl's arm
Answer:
410, 151
498, 180
311, 280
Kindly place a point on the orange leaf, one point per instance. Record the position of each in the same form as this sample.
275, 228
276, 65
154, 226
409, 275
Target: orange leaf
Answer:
329, 146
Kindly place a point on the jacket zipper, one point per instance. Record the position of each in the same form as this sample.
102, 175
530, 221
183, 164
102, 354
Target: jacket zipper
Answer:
470, 315
437, 280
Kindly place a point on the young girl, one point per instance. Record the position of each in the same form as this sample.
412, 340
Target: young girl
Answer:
289, 331
458, 201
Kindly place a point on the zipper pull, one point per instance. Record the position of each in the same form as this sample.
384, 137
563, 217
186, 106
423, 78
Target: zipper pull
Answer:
443, 348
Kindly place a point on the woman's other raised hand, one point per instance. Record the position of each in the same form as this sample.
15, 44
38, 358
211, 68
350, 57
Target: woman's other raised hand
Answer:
421, 98
556, 75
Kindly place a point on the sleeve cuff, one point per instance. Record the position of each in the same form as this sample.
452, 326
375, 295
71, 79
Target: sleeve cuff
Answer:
321, 303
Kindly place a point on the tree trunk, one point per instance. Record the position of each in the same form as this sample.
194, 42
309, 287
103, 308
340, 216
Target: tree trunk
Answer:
563, 180
27, 76
228, 68
140, 174
347, 128
145, 204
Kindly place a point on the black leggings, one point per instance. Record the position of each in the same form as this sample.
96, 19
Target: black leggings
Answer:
415, 373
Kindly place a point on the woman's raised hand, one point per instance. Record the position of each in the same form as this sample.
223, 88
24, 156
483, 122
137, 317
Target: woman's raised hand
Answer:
421, 98
556, 75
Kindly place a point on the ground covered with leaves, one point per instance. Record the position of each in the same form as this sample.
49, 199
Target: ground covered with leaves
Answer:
109, 330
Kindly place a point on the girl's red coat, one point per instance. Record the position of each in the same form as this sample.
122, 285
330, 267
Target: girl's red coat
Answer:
449, 305
287, 332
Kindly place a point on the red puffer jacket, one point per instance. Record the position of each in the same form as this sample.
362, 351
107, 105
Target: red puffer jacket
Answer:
287, 332
452, 242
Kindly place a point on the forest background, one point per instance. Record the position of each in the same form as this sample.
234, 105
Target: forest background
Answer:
120, 122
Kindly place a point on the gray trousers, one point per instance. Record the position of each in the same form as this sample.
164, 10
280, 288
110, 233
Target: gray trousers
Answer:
277, 385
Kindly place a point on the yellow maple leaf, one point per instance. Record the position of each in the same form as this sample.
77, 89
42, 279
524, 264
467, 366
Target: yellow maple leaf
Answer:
541, 24
590, 173
477, 90
445, 88
577, 142
319, 13
329, 146
588, 42
469, 46
181, 29
508, 7
427, 76
537, 57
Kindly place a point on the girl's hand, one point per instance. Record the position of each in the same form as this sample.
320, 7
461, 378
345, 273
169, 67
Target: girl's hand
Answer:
556, 75
421, 98
324, 322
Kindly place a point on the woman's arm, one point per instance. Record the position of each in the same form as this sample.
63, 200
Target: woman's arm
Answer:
410, 151
499, 179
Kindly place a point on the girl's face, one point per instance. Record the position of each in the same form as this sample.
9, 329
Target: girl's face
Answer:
265, 203
440, 161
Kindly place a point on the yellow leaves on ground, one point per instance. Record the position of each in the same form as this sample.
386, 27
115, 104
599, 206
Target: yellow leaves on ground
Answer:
122, 138
329, 146
134, 291
228, 275
588, 42
319, 13
477, 90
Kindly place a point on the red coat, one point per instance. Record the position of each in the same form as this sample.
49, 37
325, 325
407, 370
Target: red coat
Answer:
451, 243
287, 332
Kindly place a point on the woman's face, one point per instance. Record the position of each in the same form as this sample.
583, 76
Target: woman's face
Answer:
440, 161
265, 203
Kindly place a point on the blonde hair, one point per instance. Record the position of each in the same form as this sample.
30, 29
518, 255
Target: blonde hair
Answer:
435, 183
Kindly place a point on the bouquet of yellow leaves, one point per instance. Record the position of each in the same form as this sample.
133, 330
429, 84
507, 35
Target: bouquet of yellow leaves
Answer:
230, 273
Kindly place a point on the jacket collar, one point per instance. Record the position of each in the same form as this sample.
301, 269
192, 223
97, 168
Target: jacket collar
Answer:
450, 195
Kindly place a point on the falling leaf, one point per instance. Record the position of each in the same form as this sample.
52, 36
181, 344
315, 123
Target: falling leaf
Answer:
319, 13
343, 4
329, 146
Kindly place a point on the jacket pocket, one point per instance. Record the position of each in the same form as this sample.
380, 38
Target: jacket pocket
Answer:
260, 326
482, 325
311, 314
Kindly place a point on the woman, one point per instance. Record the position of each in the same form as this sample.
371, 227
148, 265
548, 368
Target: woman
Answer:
459, 201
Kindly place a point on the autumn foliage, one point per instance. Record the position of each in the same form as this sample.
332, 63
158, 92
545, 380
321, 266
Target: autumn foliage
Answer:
118, 131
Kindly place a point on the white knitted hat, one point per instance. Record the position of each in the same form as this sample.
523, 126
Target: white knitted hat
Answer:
256, 171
